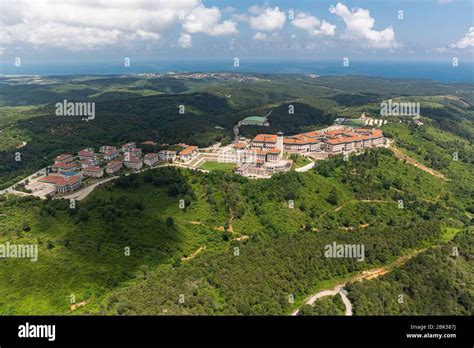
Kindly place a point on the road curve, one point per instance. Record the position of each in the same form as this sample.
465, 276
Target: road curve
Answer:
338, 289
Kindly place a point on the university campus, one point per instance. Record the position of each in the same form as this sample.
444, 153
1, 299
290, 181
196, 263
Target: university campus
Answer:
260, 157
163, 161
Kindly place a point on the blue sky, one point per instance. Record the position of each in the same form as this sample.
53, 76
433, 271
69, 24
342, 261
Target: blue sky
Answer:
40, 31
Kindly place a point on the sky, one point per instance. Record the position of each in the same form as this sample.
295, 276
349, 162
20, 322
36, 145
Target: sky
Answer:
43, 31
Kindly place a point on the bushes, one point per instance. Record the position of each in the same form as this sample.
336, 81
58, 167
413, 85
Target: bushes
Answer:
432, 283
333, 197
266, 272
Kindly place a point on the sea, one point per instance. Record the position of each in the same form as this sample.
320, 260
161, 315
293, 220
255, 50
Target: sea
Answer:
438, 71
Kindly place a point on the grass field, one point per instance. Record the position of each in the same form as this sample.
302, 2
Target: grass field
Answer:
228, 167
299, 161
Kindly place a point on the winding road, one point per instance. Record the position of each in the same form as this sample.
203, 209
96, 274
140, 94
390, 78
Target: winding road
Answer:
364, 275
338, 289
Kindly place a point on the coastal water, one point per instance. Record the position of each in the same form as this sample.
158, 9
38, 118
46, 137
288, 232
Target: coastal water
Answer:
439, 71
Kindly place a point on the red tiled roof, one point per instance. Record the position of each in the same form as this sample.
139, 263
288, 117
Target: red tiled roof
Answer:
110, 152
267, 138
62, 157
300, 140
350, 137
93, 169
150, 155
65, 165
86, 153
133, 159
313, 134
61, 180
274, 151
188, 150
113, 164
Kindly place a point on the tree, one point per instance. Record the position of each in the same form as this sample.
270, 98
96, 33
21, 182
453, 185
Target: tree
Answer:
83, 215
333, 197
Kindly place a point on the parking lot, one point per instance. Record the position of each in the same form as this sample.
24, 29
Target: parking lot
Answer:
40, 189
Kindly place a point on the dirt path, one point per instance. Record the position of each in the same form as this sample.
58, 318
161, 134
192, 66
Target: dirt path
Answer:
305, 168
23, 144
364, 275
75, 306
453, 97
194, 254
338, 289
402, 156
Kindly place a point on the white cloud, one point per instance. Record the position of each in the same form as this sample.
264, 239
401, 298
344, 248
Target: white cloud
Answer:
359, 27
267, 19
207, 20
77, 25
312, 25
185, 40
61, 35
144, 35
260, 36
466, 41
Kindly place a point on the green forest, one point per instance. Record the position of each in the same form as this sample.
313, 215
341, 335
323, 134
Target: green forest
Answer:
238, 246
436, 282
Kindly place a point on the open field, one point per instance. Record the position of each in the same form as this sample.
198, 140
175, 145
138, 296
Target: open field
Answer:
209, 165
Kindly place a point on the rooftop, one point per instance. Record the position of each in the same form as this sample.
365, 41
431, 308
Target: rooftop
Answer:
267, 138
113, 164
60, 180
188, 150
254, 120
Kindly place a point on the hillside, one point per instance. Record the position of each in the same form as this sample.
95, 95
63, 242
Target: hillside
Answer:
239, 246
436, 282
279, 248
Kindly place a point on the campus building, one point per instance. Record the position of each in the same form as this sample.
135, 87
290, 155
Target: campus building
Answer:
135, 152
264, 154
128, 146
111, 154
87, 154
61, 167
188, 153
64, 158
167, 155
93, 172
106, 148
345, 140
133, 163
62, 183
113, 167
150, 159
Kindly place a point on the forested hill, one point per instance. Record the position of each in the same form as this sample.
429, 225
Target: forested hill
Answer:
436, 282
192, 251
